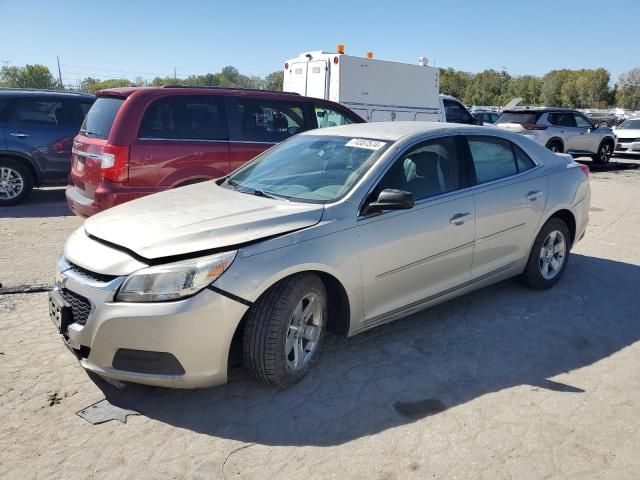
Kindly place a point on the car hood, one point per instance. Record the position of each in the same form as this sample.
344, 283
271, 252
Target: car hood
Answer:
627, 132
198, 218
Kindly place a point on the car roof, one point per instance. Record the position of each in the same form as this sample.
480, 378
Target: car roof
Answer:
28, 92
540, 110
393, 130
196, 90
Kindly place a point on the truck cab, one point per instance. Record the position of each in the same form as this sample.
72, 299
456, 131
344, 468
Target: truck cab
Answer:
377, 90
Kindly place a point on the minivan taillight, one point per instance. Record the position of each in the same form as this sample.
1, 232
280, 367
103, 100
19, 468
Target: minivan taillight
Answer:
115, 163
533, 126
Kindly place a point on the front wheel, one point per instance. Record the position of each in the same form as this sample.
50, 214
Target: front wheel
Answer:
549, 256
604, 153
284, 330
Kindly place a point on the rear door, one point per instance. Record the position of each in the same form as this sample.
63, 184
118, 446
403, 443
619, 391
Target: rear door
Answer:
4, 110
43, 128
569, 131
256, 124
298, 77
317, 79
510, 194
182, 138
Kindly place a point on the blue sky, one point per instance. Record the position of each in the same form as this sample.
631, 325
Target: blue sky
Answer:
140, 38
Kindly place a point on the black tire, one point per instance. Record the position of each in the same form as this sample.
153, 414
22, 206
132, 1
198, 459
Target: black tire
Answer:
27, 182
267, 326
555, 146
533, 276
605, 151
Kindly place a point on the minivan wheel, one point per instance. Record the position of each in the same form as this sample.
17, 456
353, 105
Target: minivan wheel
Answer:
604, 152
555, 146
549, 256
284, 330
16, 182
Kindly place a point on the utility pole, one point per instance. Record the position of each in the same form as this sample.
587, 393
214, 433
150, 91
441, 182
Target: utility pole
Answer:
175, 76
59, 74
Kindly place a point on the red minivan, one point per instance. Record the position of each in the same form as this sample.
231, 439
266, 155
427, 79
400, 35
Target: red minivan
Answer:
142, 140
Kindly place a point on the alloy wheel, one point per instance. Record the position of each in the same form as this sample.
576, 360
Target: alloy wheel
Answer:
304, 331
11, 183
605, 153
552, 254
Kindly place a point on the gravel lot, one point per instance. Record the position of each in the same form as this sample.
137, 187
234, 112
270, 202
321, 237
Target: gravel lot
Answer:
503, 383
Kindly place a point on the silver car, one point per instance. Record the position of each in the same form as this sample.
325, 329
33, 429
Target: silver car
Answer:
561, 131
628, 137
340, 229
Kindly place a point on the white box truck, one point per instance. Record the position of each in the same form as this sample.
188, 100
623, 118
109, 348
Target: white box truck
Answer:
377, 90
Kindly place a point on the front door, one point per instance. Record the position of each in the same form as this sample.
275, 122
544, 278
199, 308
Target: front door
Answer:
411, 256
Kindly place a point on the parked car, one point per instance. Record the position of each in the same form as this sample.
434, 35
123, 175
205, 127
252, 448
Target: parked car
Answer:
628, 137
561, 130
138, 141
36, 132
608, 119
487, 117
338, 229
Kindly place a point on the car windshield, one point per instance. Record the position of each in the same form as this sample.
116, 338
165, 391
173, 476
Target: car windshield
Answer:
630, 124
309, 168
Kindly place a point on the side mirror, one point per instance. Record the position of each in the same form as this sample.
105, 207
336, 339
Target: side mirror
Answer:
479, 120
390, 199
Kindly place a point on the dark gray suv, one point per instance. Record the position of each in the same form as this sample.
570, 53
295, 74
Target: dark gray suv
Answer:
36, 136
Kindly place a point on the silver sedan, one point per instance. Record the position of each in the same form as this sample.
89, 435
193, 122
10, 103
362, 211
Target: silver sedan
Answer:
340, 229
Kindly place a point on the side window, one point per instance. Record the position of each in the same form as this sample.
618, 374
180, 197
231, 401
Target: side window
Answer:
330, 118
493, 158
270, 121
562, 119
456, 113
523, 160
582, 122
4, 108
185, 118
431, 168
33, 111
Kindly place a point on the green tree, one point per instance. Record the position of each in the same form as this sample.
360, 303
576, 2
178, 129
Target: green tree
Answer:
29, 76
628, 94
454, 82
274, 81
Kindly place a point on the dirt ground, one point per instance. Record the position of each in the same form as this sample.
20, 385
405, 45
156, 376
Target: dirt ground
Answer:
503, 383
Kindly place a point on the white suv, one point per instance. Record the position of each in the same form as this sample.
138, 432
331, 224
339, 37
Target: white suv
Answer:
561, 131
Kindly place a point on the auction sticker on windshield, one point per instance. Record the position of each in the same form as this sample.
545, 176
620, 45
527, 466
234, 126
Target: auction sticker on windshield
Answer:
365, 143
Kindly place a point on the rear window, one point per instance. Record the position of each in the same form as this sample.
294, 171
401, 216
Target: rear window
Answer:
100, 117
518, 117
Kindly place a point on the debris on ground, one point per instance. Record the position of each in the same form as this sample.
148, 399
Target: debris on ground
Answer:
104, 411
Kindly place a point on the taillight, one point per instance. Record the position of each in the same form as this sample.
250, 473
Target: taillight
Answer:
286, 66
335, 60
115, 163
585, 170
533, 126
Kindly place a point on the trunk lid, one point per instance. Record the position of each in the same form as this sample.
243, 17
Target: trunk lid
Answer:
197, 218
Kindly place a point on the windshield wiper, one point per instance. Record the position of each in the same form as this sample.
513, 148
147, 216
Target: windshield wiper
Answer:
260, 193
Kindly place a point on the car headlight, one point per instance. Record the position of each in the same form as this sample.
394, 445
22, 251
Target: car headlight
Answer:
174, 280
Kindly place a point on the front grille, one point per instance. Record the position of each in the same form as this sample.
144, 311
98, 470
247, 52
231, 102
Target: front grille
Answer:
98, 277
80, 306
627, 140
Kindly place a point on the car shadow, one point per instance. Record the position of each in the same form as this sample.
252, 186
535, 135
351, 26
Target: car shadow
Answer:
496, 338
43, 202
611, 166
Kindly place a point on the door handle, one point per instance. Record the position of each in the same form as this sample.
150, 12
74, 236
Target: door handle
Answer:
459, 218
20, 134
533, 196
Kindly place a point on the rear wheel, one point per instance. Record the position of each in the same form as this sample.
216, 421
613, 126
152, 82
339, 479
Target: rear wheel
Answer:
555, 146
604, 152
16, 182
549, 256
284, 330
